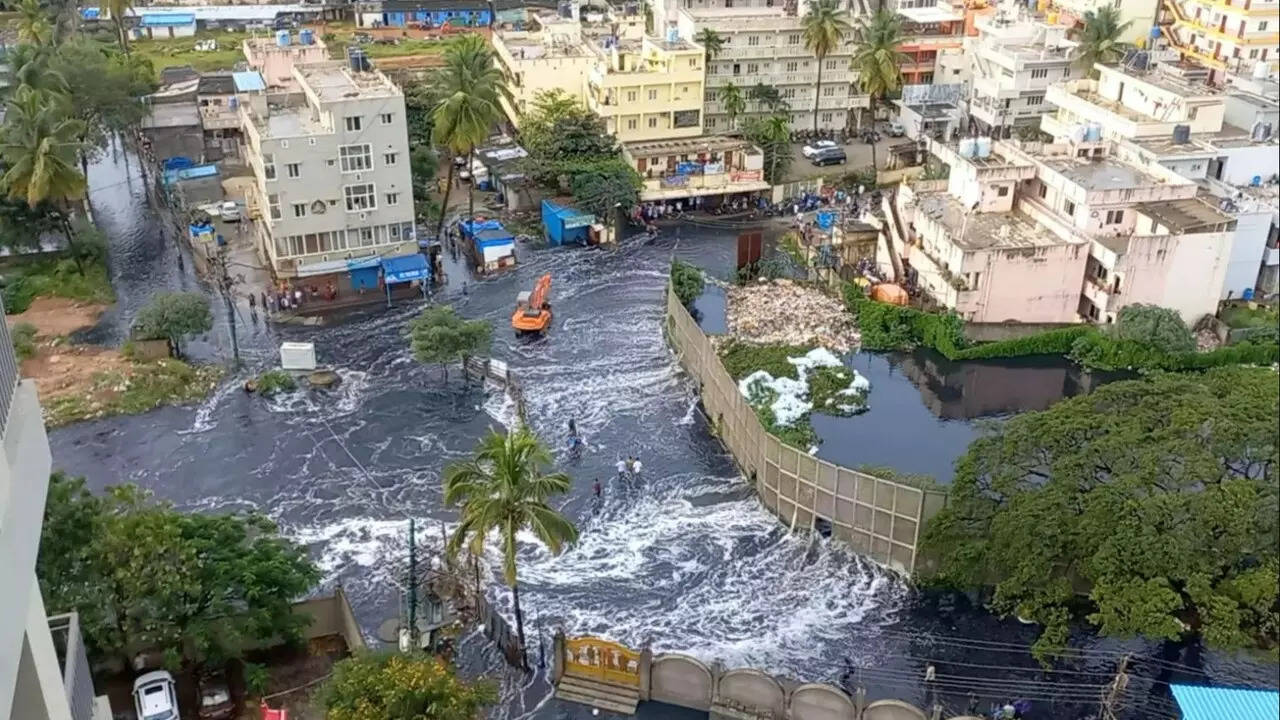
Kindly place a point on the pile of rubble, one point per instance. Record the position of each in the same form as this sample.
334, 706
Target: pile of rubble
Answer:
782, 312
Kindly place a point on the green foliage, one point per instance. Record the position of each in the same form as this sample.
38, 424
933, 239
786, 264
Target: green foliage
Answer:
919, 480
711, 41
687, 281
18, 293
602, 186
859, 177
25, 281
1102, 352
773, 135
1155, 327
143, 387
201, 587
824, 27
256, 679
1050, 342
740, 359
1156, 496
877, 56
734, 102
173, 316
105, 85
24, 339
275, 381
891, 327
440, 335
767, 98
1100, 40
390, 686
22, 226
39, 148
1242, 316
503, 491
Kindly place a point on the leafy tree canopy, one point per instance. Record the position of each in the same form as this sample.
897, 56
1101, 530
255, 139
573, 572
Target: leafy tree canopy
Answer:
600, 187
440, 335
390, 686
142, 575
687, 281
105, 85
1147, 507
1154, 326
174, 316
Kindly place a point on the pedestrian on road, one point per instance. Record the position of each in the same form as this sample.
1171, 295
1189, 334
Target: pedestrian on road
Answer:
635, 467
595, 488
622, 468
253, 302
297, 297
264, 301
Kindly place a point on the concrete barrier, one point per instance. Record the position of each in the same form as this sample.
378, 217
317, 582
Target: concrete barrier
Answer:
878, 518
681, 680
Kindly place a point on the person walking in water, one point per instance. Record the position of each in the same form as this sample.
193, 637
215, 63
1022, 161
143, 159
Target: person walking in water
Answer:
595, 488
622, 468
635, 467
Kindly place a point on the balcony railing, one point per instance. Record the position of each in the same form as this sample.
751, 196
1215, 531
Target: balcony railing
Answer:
76, 678
8, 375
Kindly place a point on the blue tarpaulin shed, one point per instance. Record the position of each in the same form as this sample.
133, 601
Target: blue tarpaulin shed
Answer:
403, 269
565, 225
248, 81
364, 272
1201, 702
189, 173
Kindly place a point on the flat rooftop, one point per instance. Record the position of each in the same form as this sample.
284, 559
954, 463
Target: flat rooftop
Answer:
1167, 81
335, 82
706, 143
1104, 174
933, 111
934, 14
985, 231
748, 18
1189, 215
1233, 137
289, 123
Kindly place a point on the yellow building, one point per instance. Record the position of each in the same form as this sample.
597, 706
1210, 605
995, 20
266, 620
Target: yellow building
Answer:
648, 89
1232, 36
644, 88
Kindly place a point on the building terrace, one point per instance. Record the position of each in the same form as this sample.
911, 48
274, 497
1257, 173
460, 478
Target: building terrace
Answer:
334, 82
1104, 174
983, 231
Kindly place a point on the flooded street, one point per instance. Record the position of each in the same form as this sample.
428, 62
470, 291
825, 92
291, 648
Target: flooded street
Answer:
687, 560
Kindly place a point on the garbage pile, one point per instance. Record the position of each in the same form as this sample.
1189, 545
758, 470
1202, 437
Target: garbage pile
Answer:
783, 312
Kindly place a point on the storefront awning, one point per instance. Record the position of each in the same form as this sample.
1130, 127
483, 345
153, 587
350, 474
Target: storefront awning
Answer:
405, 268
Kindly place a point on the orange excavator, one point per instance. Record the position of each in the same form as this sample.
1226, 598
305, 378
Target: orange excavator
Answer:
533, 312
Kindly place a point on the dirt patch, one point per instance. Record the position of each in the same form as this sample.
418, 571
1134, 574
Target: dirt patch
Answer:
55, 316
60, 369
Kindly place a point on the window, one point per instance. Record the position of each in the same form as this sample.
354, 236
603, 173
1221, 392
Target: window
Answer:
311, 141
737, 69
392, 198
293, 170
1038, 73
693, 62
1042, 190
793, 66
273, 202
653, 122
284, 143
299, 210
631, 123
826, 117
831, 64
1253, 54
353, 123
366, 236
355, 158
631, 96
1115, 217
828, 90
753, 40
789, 93
1035, 99
793, 39
709, 95
653, 94
753, 68
1262, 26
359, 197
387, 118
389, 158
269, 166
1002, 191
1069, 207
1066, 72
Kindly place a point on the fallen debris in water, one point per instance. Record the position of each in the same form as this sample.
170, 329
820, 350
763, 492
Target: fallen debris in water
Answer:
783, 312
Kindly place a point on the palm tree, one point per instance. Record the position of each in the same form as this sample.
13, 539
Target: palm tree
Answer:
471, 85
502, 490
775, 133
878, 60
734, 103
712, 43
118, 11
825, 27
34, 27
1100, 40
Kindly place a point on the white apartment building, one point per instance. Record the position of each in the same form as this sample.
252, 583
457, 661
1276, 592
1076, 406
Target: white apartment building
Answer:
1227, 36
1168, 117
44, 674
763, 44
1012, 62
333, 180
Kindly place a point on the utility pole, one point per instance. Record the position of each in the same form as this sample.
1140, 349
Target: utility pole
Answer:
413, 585
1113, 695
227, 290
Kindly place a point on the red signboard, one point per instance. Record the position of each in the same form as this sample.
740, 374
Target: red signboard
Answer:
746, 175
269, 714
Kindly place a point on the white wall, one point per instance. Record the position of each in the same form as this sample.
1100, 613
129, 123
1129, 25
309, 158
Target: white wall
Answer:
1182, 272
1247, 247
1244, 163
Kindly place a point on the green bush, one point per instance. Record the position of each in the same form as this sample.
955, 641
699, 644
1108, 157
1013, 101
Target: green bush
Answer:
740, 359
1051, 342
24, 340
18, 293
1101, 352
687, 281
891, 327
1154, 327
274, 381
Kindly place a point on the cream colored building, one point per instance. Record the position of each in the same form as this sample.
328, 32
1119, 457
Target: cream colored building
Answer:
707, 166
1141, 16
1224, 35
332, 175
643, 88
1013, 62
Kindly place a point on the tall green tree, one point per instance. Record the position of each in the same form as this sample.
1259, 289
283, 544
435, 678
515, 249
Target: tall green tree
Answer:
1154, 326
767, 97
605, 187
712, 43
825, 26
174, 316
877, 59
118, 11
1100, 39
734, 102
773, 135
39, 149
440, 336
105, 85
34, 25
391, 686
503, 491
1156, 497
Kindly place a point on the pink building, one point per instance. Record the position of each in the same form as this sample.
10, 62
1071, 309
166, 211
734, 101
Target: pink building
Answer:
275, 60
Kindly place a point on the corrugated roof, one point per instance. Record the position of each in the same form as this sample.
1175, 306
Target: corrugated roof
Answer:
1199, 702
249, 81
167, 19
217, 83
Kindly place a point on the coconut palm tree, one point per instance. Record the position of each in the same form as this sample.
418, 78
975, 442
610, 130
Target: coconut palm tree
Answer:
34, 25
825, 27
471, 87
734, 103
502, 491
775, 133
39, 149
877, 59
767, 97
1100, 39
712, 43
118, 11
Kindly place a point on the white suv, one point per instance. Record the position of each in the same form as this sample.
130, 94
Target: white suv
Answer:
154, 697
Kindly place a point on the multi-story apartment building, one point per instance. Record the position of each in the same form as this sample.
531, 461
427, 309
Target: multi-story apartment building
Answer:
1012, 63
1233, 36
1140, 16
763, 45
44, 673
930, 29
274, 57
332, 175
1168, 117
644, 88
711, 166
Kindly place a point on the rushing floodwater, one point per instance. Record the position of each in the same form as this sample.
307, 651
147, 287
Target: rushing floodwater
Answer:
687, 561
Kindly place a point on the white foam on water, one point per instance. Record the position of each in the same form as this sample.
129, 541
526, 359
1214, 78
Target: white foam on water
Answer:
204, 417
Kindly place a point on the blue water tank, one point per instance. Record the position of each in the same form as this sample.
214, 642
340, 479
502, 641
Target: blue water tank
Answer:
306, 37
1155, 31
282, 38
1247, 294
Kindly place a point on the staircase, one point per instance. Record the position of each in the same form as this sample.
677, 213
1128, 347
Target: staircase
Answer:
599, 694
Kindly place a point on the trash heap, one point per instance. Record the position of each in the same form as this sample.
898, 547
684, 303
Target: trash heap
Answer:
783, 312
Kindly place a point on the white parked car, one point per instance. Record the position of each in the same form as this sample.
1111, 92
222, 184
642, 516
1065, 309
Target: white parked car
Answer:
154, 697
229, 211
815, 147
896, 129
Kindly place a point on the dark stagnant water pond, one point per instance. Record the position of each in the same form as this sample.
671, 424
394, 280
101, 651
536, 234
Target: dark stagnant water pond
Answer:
688, 561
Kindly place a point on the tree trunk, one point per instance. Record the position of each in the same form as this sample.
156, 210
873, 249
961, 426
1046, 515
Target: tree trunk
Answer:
444, 205
515, 600
71, 244
817, 93
873, 130
471, 189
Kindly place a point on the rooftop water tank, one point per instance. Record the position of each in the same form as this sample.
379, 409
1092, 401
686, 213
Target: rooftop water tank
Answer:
968, 147
307, 37
1093, 132
1078, 133
1181, 134
983, 147
1260, 71
282, 38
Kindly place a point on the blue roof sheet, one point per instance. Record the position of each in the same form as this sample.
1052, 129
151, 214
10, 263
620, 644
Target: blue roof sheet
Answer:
404, 268
248, 81
1200, 702
167, 19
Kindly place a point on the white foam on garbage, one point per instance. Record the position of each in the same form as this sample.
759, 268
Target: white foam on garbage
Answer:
788, 398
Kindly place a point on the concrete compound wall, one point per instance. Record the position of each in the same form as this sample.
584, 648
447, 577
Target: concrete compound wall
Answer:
878, 518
